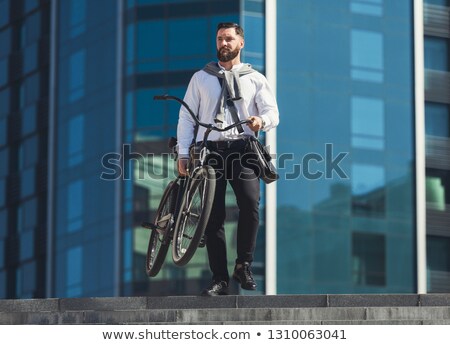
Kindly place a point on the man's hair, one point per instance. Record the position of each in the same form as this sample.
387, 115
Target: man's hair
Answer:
237, 27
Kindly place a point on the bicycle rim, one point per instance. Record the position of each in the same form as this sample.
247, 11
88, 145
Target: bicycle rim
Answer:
194, 215
160, 238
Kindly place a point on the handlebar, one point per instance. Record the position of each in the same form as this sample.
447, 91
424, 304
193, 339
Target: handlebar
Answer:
197, 121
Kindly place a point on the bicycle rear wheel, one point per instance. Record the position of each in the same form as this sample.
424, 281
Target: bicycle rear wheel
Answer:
159, 242
194, 215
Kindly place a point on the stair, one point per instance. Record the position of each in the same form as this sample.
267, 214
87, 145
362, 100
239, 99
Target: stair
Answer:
413, 309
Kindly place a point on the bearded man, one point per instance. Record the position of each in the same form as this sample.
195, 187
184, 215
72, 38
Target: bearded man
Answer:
223, 93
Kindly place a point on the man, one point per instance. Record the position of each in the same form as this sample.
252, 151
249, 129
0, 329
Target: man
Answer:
224, 93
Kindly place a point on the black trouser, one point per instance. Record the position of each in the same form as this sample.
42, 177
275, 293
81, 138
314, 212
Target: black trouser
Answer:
231, 166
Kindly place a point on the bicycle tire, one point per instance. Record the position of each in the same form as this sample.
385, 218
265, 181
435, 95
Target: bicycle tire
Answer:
194, 214
159, 241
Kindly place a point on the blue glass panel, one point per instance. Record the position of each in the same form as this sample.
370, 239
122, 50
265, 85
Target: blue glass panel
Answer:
364, 75
4, 158
438, 250
27, 182
183, 37
3, 222
77, 70
4, 12
26, 280
3, 132
3, 279
4, 101
150, 40
130, 51
76, 140
75, 204
129, 112
74, 269
29, 120
30, 58
367, 116
27, 216
367, 49
364, 8
77, 17
3, 71
367, 143
436, 53
438, 2
32, 29
30, 90
2, 192
5, 42
27, 245
366, 178
148, 112
254, 34
31, 5
2, 257
28, 154
437, 119
127, 255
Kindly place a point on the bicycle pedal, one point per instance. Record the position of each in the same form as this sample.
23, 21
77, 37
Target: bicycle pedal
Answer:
149, 226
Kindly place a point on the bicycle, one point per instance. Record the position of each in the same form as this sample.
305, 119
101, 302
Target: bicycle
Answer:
185, 206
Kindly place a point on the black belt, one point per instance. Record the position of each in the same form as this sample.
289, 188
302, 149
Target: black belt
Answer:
226, 144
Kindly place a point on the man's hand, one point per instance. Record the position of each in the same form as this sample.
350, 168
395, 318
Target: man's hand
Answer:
182, 166
256, 123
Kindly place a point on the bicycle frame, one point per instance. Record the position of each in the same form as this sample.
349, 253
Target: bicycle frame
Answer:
186, 185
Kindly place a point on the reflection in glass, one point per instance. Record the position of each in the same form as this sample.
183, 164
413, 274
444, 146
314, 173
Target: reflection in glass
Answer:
368, 190
75, 204
437, 117
362, 7
436, 53
29, 120
369, 259
76, 140
435, 194
367, 55
77, 20
367, 122
77, 70
74, 271
2, 192
438, 264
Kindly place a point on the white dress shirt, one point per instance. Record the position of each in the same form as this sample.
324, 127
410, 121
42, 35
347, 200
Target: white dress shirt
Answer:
202, 96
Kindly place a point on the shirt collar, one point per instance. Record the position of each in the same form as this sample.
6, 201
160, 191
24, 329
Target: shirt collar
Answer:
238, 66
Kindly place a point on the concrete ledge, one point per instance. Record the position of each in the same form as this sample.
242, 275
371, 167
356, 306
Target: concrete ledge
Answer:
282, 309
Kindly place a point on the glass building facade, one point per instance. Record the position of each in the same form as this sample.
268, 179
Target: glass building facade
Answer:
437, 142
345, 91
84, 157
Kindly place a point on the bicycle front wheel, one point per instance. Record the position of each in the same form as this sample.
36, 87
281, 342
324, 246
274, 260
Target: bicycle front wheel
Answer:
160, 237
194, 215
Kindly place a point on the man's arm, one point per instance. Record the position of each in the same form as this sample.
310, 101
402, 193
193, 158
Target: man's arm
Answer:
267, 106
186, 125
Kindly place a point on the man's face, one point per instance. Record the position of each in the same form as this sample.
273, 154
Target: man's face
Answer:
229, 44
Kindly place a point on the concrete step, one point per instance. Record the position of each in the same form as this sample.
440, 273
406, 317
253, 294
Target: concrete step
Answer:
290, 309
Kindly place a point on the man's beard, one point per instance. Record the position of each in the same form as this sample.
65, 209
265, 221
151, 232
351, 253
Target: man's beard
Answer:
225, 55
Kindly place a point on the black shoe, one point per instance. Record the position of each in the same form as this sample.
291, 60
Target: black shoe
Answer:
243, 275
216, 289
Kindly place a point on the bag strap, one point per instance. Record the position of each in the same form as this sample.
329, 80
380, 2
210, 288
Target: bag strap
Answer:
232, 109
